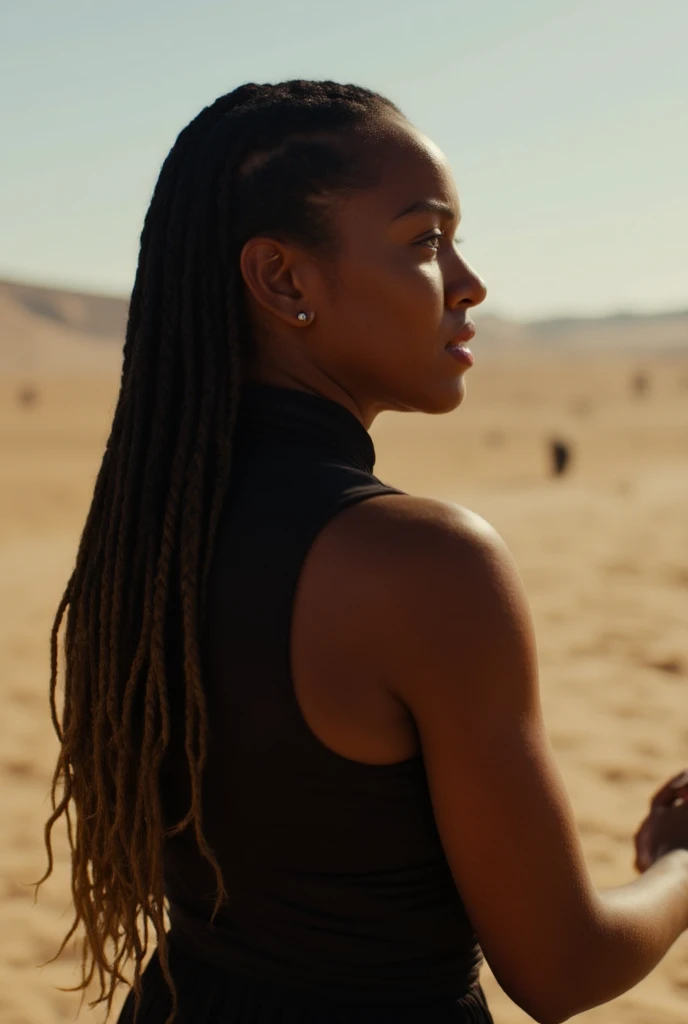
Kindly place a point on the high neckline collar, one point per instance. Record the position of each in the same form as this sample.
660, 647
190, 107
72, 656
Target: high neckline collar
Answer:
309, 420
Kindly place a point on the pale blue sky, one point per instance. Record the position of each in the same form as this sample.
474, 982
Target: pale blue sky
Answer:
564, 120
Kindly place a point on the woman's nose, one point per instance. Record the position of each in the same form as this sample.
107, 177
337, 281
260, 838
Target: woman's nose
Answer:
468, 288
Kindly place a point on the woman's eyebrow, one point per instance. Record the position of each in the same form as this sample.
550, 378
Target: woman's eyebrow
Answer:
427, 206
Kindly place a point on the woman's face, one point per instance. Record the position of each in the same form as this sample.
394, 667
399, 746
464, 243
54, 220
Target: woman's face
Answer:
400, 291
390, 303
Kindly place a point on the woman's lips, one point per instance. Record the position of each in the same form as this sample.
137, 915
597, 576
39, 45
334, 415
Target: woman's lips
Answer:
462, 353
467, 333
458, 347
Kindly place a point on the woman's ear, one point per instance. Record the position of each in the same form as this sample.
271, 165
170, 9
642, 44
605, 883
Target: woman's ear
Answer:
274, 275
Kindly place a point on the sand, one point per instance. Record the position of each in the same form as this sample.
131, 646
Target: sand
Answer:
603, 552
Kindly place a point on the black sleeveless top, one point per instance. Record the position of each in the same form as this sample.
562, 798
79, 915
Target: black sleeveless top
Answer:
337, 883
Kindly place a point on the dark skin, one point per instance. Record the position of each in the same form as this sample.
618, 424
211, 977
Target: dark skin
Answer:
402, 290
426, 609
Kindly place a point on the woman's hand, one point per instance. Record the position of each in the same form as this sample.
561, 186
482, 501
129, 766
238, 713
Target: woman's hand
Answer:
666, 826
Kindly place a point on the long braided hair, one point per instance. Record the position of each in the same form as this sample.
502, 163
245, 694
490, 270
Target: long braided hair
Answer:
259, 160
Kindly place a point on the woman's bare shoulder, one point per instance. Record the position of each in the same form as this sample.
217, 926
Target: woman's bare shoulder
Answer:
409, 514
397, 536
406, 572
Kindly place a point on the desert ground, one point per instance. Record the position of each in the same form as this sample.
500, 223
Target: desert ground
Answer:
603, 551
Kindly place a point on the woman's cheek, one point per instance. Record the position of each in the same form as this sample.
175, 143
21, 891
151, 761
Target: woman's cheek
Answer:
430, 287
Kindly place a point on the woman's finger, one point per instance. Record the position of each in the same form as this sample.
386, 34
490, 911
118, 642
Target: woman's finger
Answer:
676, 787
642, 847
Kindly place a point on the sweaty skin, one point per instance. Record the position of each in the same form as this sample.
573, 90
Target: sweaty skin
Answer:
426, 610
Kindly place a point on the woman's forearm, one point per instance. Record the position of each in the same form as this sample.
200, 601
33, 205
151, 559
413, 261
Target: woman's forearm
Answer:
638, 923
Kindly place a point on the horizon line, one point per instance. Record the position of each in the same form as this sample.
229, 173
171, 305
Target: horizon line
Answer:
612, 312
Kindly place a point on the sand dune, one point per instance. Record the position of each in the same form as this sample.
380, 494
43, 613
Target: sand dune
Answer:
37, 336
603, 552
100, 316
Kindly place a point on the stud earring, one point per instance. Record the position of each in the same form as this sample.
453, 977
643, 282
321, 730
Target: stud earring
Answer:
303, 317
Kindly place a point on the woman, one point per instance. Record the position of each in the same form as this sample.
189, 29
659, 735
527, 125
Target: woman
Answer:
307, 719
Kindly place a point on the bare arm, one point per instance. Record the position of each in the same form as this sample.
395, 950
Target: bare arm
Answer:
458, 649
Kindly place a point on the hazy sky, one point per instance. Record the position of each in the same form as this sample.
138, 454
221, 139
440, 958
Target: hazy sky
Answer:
564, 121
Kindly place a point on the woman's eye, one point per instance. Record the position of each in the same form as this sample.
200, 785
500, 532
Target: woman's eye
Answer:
434, 241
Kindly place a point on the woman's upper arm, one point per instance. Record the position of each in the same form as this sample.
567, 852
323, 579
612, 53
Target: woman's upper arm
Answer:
461, 656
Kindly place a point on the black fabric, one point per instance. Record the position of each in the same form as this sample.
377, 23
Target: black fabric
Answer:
341, 905
208, 996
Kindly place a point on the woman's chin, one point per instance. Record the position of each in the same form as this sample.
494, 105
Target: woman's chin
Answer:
449, 398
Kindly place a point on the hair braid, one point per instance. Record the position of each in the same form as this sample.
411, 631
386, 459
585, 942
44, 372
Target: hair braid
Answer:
252, 162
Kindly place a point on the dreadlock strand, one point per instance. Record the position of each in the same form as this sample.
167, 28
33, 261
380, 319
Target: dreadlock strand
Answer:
115, 702
156, 703
156, 709
124, 707
132, 444
105, 724
189, 573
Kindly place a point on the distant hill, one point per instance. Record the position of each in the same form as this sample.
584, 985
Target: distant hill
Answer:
634, 334
55, 331
51, 331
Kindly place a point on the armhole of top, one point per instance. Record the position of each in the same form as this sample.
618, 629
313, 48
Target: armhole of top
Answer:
319, 747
